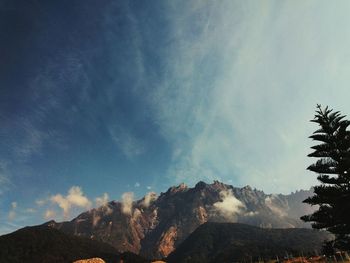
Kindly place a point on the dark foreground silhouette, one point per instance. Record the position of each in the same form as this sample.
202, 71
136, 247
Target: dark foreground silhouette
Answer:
47, 245
232, 242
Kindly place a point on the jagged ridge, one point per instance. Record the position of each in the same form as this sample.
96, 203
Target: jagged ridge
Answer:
156, 227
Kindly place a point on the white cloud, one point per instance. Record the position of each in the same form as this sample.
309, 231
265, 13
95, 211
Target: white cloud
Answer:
12, 213
127, 202
74, 198
41, 202
149, 198
95, 219
30, 210
229, 206
137, 184
137, 213
49, 214
102, 204
102, 201
274, 207
63, 203
251, 213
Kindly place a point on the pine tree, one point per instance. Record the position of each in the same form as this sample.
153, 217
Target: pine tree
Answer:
333, 169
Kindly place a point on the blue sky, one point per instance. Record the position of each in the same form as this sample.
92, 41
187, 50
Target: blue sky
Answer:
99, 98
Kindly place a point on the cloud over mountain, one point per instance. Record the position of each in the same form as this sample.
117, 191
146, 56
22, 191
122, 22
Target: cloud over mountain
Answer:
74, 198
148, 198
155, 226
229, 206
127, 202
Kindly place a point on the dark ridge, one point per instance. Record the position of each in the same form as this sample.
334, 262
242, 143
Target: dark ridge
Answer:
200, 185
45, 244
232, 242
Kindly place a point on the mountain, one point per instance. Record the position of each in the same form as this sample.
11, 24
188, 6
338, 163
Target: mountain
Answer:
233, 242
155, 225
47, 245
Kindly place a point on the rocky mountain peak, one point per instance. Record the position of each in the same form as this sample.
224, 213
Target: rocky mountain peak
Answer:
51, 223
247, 187
180, 188
218, 183
200, 185
155, 226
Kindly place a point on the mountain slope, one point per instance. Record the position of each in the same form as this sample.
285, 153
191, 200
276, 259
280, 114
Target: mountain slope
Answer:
44, 244
155, 225
228, 242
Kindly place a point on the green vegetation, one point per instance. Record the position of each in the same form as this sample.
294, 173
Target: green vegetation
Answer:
333, 169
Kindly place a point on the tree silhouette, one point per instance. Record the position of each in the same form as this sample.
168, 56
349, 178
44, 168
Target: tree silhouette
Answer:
333, 169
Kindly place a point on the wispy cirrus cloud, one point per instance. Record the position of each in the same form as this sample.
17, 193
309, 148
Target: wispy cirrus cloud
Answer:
4, 177
15, 216
12, 212
41, 202
238, 108
127, 143
49, 89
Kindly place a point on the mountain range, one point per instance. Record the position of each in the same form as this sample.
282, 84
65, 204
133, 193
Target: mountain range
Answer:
154, 226
235, 242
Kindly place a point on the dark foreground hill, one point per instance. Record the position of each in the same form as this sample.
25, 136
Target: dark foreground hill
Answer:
44, 244
231, 242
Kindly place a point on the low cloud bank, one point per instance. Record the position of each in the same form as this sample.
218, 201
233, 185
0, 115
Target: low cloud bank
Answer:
127, 202
270, 202
148, 199
229, 206
102, 200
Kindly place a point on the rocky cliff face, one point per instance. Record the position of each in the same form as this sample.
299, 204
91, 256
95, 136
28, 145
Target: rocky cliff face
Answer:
156, 225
